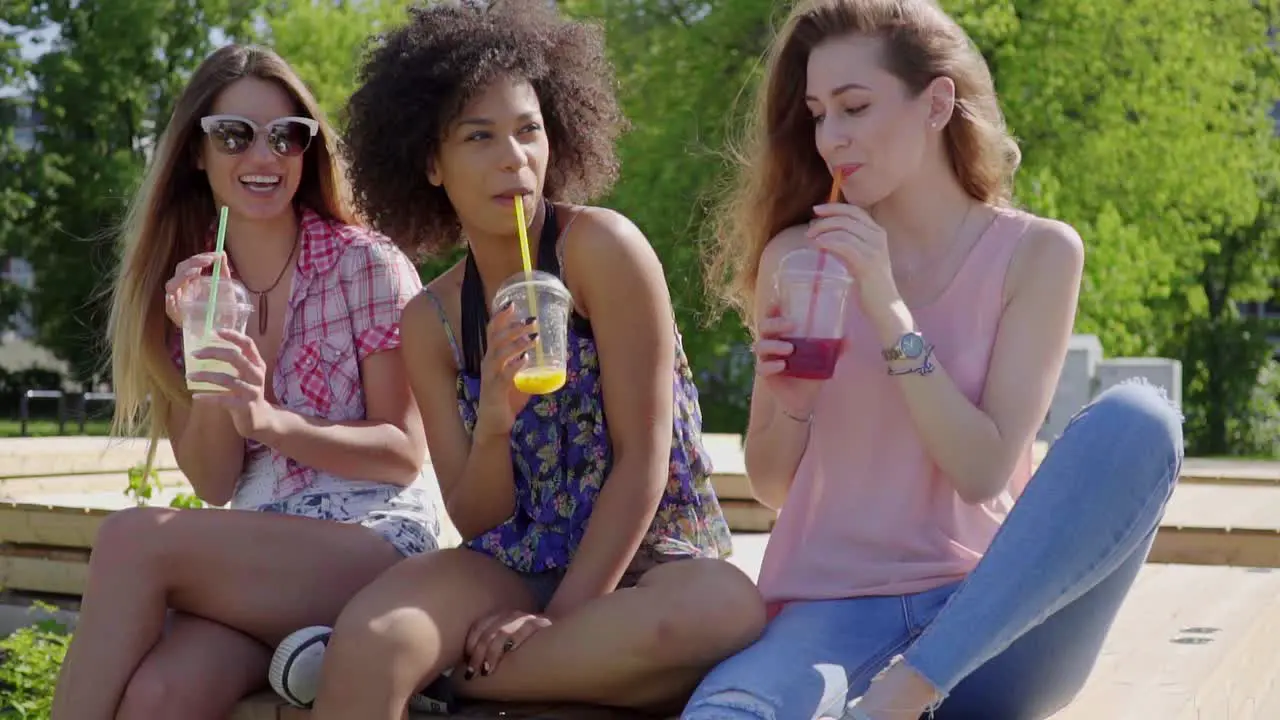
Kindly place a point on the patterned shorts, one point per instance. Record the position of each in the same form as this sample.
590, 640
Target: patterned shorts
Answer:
543, 585
405, 517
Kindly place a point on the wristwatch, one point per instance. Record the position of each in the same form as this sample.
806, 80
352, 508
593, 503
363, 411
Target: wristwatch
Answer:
909, 347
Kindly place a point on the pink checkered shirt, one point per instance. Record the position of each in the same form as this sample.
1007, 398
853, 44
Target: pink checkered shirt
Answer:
349, 288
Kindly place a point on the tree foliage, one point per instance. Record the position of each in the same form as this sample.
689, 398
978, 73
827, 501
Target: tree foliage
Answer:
105, 88
1143, 123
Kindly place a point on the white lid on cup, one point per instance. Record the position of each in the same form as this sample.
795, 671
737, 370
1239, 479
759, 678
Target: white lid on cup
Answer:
810, 265
231, 293
541, 282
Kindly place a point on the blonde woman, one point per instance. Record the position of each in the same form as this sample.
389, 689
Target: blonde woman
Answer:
316, 443
918, 564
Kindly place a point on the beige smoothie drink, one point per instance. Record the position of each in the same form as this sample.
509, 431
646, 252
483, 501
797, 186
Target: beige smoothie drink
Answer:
230, 311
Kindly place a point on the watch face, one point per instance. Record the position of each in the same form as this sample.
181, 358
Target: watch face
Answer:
912, 345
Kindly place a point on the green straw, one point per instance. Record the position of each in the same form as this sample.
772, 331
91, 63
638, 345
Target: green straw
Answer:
217, 271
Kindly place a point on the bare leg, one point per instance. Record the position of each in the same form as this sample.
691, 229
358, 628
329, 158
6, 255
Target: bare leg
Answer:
645, 647
641, 647
198, 671
264, 575
405, 628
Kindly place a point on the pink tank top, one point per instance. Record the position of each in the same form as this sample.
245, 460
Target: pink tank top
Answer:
870, 513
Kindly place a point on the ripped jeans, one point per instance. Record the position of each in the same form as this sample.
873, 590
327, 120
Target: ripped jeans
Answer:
1016, 639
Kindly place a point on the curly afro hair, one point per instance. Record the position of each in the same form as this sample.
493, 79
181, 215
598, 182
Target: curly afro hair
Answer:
415, 80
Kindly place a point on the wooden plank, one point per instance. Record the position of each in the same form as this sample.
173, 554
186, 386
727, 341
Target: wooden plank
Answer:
1204, 524
748, 516
1180, 637
29, 524
37, 457
45, 570
726, 453
32, 457
1235, 507
732, 487
1187, 640
727, 460
1237, 523
1230, 471
107, 500
18, 488
1239, 685
1267, 706
1216, 546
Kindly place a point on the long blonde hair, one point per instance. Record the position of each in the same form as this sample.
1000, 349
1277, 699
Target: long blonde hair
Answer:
169, 220
780, 176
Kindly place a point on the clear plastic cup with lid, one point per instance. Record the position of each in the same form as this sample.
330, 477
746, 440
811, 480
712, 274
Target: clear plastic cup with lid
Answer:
813, 289
542, 296
230, 311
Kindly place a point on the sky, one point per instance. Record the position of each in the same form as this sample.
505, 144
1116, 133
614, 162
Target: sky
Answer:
30, 46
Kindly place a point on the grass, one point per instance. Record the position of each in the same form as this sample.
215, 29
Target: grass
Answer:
10, 428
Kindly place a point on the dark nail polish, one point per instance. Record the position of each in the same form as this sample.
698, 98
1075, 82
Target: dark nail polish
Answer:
485, 669
533, 335
505, 306
529, 320
468, 674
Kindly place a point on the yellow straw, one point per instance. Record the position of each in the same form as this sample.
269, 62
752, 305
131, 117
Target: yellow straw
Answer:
217, 271
528, 270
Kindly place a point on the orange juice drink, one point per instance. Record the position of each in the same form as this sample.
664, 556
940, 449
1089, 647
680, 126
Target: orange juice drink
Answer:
540, 380
541, 296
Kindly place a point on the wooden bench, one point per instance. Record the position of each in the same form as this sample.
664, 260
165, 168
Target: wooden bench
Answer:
1224, 512
1190, 643
1193, 641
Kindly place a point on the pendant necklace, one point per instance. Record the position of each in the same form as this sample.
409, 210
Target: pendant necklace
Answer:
262, 295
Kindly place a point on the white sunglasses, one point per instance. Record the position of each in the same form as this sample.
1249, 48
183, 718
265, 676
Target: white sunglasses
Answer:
286, 136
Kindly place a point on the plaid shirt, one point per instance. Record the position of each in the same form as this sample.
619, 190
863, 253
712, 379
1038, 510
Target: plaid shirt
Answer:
349, 288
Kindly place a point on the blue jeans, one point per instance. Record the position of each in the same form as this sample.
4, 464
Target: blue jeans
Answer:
1017, 638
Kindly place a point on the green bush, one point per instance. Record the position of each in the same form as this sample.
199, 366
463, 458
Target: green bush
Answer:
29, 662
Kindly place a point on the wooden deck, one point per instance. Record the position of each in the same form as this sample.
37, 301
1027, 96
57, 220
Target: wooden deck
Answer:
1194, 640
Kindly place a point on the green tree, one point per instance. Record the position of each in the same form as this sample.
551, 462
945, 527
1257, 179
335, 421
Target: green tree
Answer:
685, 71
105, 89
1228, 368
1143, 123
1160, 150
13, 204
323, 40
688, 72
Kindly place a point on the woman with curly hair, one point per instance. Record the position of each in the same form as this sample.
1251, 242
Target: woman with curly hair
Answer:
593, 566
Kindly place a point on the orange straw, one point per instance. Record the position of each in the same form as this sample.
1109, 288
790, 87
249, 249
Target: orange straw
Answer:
822, 257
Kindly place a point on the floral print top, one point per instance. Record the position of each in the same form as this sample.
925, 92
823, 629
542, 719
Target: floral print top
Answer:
561, 452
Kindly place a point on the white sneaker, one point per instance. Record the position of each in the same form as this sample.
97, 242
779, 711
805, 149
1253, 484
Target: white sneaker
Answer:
295, 673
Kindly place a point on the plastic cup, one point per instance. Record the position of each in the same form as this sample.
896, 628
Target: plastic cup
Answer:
542, 296
231, 312
813, 291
